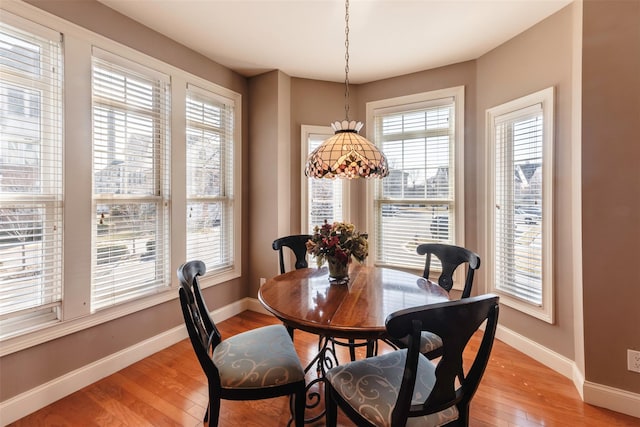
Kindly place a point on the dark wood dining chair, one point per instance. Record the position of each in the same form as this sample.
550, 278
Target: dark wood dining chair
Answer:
257, 364
403, 387
450, 257
297, 243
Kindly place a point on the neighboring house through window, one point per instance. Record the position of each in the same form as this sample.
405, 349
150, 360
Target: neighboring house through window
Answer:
131, 180
210, 190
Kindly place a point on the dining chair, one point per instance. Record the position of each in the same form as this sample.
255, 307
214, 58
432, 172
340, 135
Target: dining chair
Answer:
297, 243
403, 387
257, 364
450, 257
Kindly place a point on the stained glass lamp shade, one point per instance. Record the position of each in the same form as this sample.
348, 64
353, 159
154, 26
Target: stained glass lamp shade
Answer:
346, 155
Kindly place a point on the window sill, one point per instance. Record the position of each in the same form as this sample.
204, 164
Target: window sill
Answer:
530, 309
60, 329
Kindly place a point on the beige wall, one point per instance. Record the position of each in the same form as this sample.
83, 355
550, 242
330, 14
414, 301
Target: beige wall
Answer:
24, 370
269, 176
280, 106
611, 189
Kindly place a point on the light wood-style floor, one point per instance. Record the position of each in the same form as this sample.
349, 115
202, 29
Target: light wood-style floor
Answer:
169, 389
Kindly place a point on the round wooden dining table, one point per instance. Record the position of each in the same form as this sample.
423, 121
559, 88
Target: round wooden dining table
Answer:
305, 299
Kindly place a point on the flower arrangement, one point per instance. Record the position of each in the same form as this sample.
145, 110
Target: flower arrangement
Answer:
338, 241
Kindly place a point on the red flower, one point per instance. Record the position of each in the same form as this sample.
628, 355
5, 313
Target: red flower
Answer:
342, 256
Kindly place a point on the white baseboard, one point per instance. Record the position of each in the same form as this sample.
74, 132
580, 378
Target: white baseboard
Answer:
30, 401
578, 380
559, 363
607, 397
254, 305
230, 310
615, 399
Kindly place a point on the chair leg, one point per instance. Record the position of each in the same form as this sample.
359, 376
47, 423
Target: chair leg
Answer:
299, 405
463, 414
352, 349
331, 407
213, 411
290, 331
372, 348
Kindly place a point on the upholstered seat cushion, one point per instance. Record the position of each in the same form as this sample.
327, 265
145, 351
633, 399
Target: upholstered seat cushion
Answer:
370, 386
261, 357
428, 342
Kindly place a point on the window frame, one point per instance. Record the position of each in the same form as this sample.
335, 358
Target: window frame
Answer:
157, 114
306, 132
545, 97
49, 83
406, 104
78, 42
228, 225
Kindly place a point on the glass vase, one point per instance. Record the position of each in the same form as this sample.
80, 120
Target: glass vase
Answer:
338, 270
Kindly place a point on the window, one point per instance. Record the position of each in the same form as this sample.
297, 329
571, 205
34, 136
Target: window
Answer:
121, 143
30, 176
210, 148
322, 199
130, 180
421, 199
521, 147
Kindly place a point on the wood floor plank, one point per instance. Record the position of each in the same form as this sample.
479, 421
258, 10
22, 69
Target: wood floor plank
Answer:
159, 401
170, 389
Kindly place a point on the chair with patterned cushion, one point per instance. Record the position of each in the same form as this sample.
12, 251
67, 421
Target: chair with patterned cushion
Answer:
403, 387
257, 364
450, 258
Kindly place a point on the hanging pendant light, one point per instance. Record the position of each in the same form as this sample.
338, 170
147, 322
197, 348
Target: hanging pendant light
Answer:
346, 154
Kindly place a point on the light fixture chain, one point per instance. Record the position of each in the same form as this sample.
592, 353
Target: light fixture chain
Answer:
346, 154
346, 58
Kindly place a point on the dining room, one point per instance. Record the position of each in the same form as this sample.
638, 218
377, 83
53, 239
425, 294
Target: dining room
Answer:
581, 61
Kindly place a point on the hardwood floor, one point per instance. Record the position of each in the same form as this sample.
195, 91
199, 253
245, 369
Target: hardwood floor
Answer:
169, 389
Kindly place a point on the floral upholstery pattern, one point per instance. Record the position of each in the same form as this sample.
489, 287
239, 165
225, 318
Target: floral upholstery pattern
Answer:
244, 364
428, 342
371, 387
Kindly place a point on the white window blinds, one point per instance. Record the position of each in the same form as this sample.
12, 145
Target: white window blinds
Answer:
210, 208
30, 175
518, 208
131, 181
416, 203
324, 196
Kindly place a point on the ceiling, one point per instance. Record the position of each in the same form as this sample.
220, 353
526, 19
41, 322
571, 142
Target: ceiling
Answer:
306, 38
